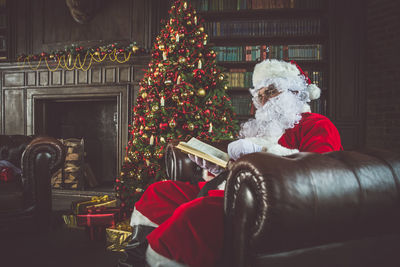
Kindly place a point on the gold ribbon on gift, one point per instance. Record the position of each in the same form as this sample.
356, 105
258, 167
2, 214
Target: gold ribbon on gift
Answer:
108, 204
95, 200
118, 236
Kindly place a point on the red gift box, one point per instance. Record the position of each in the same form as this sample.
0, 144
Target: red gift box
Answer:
98, 219
6, 174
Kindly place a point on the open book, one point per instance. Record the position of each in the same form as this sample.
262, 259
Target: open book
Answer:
204, 151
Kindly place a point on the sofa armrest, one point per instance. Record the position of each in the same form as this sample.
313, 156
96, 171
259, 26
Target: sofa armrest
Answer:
178, 165
40, 159
276, 204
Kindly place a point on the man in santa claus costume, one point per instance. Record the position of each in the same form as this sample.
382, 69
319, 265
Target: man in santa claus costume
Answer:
173, 226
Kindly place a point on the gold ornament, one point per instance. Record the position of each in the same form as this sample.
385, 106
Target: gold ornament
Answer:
197, 117
201, 29
167, 82
225, 87
190, 126
147, 128
181, 60
160, 65
155, 108
122, 174
223, 118
172, 123
201, 92
192, 41
131, 174
221, 77
175, 97
144, 136
198, 33
161, 47
200, 54
184, 95
191, 93
144, 95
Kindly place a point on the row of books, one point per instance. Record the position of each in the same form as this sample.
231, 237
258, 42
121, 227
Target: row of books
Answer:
265, 28
239, 78
241, 104
261, 52
243, 79
229, 5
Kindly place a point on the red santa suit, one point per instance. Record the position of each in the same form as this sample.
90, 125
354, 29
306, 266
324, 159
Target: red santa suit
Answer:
189, 230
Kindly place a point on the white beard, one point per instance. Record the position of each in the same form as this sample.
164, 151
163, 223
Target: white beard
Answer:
271, 120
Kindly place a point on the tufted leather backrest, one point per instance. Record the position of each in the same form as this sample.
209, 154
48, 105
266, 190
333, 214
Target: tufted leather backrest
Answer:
12, 147
309, 199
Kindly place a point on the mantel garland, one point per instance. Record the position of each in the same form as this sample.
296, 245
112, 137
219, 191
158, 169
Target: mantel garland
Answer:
78, 57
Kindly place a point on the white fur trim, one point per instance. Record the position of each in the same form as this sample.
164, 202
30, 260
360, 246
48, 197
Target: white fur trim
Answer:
306, 108
222, 186
154, 259
271, 69
313, 91
138, 218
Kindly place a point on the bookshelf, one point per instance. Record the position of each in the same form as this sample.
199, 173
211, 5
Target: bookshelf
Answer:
244, 32
3, 30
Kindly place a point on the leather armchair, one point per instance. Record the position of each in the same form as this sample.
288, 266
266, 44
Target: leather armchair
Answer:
25, 204
340, 208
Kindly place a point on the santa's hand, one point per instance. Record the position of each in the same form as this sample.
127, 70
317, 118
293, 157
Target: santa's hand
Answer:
213, 168
240, 147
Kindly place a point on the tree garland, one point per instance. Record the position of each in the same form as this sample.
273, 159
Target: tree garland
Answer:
78, 57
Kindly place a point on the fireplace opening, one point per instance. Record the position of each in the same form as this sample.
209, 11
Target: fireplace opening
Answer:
95, 120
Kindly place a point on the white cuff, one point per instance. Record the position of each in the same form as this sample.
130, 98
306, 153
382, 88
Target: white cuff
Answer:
138, 218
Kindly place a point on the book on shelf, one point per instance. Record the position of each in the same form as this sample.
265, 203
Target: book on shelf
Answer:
204, 151
265, 28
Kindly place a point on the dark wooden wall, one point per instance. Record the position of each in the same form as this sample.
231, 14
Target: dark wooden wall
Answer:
46, 25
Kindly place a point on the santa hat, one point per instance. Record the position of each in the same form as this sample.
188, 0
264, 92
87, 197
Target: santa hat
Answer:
285, 76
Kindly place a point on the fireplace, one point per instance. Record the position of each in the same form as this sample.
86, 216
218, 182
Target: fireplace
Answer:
99, 115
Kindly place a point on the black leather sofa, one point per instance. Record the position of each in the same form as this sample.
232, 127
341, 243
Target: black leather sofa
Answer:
340, 208
25, 203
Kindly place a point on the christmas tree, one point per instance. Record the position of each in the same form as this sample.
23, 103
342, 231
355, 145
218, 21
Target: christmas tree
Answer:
182, 95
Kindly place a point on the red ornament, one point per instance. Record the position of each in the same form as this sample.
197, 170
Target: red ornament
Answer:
163, 125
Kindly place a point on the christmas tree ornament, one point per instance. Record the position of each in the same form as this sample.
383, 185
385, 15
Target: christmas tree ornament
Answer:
190, 126
155, 108
201, 29
144, 95
172, 123
201, 92
182, 60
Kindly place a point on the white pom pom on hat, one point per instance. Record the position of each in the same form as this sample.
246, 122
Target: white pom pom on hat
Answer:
271, 70
313, 91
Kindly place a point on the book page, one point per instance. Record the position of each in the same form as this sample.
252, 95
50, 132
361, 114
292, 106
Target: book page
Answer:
208, 149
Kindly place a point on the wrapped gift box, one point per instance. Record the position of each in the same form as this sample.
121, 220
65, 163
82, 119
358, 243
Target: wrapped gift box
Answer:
98, 219
118, 236
81, 207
